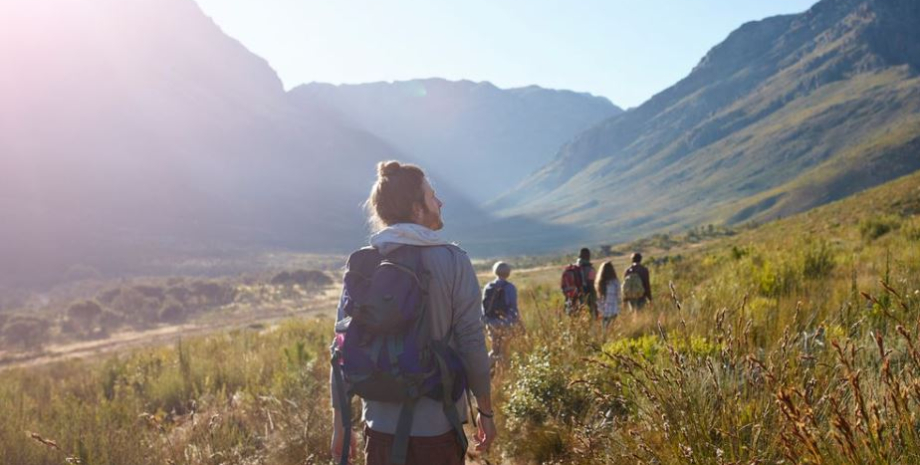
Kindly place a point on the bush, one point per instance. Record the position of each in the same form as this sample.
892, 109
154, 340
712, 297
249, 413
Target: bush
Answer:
817, 260
84, 315
912, 232
110, 320
738, 253
773, 278
303, 278
178, 293
26, 332
646, 346
151, 292
649, 346
876, 227
212, 293
138, 308
173, 312
542, 391
109, 296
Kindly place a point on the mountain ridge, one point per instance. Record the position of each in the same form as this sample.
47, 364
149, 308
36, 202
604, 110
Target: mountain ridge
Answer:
139, 132
742, 123
471, 130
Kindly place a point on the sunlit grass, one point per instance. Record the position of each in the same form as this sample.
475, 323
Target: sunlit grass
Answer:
795, 342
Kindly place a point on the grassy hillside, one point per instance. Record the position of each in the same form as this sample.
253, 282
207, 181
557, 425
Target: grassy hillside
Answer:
794, 341
786, 114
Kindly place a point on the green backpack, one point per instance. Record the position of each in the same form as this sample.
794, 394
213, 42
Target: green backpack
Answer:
633, 289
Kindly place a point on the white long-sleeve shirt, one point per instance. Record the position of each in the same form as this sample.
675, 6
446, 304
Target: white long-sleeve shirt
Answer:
610, 305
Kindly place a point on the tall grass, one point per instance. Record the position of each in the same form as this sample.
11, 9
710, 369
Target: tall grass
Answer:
239, 397
772, 346
797, 350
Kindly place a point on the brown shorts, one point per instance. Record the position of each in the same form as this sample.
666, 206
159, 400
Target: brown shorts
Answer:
423, 450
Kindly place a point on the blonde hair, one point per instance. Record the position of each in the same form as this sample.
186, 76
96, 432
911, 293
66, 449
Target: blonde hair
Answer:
501, 269
607, 274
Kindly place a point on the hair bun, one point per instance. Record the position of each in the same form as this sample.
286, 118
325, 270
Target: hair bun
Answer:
388, 168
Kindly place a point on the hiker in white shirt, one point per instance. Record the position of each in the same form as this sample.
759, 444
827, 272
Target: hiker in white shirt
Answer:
608, 292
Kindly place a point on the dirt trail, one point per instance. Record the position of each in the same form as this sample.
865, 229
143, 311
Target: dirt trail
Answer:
324, 303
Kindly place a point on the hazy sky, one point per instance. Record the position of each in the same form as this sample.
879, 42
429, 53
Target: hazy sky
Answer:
626, 50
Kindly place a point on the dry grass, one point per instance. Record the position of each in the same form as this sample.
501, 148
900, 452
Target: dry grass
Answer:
798, 342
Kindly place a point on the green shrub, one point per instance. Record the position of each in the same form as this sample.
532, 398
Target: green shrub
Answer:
647, 346
876, 227
84, 315
912, 232
173, 312
773, 278
26, 332
541, 391
817, 260
303, 278
738, 253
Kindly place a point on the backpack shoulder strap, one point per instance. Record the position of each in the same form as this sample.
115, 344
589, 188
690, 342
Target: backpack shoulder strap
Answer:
498, 289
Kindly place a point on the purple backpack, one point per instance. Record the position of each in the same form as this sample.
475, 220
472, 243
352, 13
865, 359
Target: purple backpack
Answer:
383, 349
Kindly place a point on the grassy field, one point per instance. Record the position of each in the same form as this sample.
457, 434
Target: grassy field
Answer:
792, 342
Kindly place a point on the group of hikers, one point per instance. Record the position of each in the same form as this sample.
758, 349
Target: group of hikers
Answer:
410, 331
601, 293
583, 288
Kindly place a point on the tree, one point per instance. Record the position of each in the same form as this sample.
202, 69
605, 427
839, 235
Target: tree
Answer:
172, 312
84, 315
151, 292
26, 332
138, 310
304, 278
311, 277
213, 294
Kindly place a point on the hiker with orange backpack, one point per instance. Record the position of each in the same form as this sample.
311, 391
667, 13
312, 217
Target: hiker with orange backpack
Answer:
578, 285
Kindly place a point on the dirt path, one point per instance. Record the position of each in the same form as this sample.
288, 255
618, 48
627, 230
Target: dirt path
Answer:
261, 317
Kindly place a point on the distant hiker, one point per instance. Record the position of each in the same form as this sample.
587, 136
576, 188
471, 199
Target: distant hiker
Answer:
608, 293
637, 289
500, 309
409, 338
578, 285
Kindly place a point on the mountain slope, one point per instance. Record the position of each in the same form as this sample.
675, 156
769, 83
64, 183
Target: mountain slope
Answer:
138, 129
137, 133
786, 114
476, 132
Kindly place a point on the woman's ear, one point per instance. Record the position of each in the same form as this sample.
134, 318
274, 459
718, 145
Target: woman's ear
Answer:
418, 213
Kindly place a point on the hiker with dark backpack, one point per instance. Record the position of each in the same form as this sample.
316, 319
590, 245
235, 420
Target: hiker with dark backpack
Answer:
499, 309
409, 339
578, 285
637, 287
